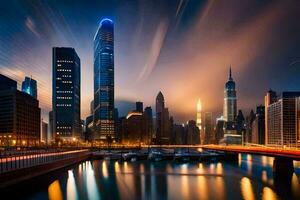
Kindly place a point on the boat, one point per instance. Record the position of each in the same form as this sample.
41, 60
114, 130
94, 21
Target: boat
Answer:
155, 155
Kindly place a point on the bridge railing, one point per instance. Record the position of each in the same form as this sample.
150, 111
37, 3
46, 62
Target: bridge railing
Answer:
10, 161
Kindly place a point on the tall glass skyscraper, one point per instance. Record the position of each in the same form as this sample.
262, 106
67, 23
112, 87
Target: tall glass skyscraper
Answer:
230, 100
66, 93
104, 80
29, 86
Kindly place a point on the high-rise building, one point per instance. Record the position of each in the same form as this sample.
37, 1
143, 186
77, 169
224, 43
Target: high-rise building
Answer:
139, 106
44, 131
192, 133
162, 121
270, 98
258, 126
149, 123
199, 119
230, 100
19, 115
51, 128
66, 94
208, 128
29, 86
219, 131
104, 80
283, 120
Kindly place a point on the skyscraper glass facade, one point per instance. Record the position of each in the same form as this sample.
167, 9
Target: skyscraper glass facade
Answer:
104, 80
66, 93
29, 86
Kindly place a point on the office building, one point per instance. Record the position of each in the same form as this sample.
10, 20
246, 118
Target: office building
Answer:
283, 120
66, 94
258, 126
104, 80
29, 86
199, 120
20, 115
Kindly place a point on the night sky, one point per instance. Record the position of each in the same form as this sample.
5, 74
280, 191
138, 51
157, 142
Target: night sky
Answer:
183, 48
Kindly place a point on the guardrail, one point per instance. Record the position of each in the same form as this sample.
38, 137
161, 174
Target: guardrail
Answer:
13, 161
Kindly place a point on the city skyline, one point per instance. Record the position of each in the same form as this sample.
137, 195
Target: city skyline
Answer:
255, 44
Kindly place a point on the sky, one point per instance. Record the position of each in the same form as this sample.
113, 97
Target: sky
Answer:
181, 47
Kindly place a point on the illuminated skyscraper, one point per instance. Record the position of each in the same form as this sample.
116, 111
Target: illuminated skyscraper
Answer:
104, 80
29, 86
66, 93
230, 100
199, 110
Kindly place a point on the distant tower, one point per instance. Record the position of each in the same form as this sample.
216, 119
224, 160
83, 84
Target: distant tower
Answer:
230, 100
29, 86
162, 121
199, 110
104, 80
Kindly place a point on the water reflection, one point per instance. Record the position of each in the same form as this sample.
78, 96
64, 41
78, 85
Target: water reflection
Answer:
71, 187
247, 189
54, 191
173, 180
91, 185
268, 194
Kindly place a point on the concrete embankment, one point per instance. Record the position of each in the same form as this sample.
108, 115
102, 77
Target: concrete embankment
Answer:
16, 176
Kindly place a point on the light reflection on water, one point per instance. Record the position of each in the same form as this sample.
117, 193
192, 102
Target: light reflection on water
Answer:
249, 178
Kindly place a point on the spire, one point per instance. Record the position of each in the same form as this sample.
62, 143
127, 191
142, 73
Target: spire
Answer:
230, 77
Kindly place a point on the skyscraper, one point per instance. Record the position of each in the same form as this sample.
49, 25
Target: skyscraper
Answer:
258, 126
230, 100
139, 106
162, 121
283, 120
199, 119
104, 80
66, 93
29, 86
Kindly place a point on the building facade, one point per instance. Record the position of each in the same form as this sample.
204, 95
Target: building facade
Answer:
283, 120
104, 81
20, 116
258, 126
66, 94
29, 86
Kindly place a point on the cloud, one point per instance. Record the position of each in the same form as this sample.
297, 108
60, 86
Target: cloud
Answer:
31, 26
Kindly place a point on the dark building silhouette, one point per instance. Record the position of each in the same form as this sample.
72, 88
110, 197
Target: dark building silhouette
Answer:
163, 126
139, 106
219, 131
104, 80
29, 86
192, 133
178, 134
20, 115
208, 128
258, 126
66, 94
148, 114
137, 127
44, 134
248, 126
